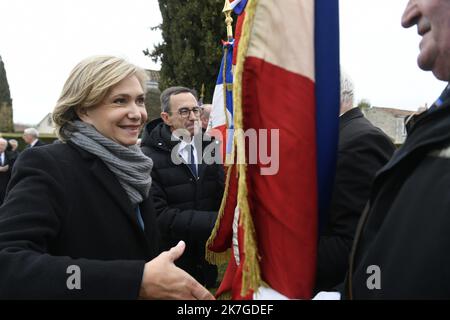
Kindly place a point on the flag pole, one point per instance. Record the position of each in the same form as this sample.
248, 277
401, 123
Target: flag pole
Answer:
227, 9
211, 256
228, 19
202, 94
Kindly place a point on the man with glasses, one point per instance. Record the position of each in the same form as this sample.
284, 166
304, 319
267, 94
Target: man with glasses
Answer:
187, 189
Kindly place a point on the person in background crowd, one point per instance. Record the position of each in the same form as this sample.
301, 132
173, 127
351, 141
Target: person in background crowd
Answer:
31, 137
363, 149
205, 115
13, 144
7, 159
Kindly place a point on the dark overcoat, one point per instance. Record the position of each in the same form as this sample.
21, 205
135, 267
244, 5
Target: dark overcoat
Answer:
10, 158
187, 206
363, 150
402, 242
65, 208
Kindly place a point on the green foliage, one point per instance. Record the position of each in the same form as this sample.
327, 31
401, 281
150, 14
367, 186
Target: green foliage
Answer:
5, 95
191, 51
364, 104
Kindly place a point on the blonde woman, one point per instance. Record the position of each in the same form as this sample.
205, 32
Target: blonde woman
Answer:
78, 220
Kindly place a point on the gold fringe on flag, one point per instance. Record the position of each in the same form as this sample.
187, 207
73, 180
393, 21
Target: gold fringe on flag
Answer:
218, 258
251, 273
224, 296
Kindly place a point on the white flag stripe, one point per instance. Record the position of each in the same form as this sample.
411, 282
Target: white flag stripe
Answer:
281, 38
234, 3
218, 117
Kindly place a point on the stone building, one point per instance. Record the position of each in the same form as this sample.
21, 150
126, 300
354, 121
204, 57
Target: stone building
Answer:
391, 121
153, 79
46, 126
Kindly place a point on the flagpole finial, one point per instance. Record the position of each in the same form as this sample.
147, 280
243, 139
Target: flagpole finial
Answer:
228, 19
202, 93
227, 6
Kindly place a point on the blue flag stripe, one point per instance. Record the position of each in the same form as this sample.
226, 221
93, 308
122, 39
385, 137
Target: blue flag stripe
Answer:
327, 99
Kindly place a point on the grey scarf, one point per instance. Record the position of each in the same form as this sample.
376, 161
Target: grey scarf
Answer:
130, 166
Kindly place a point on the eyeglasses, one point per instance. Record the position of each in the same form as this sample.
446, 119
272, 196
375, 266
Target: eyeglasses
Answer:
185, 112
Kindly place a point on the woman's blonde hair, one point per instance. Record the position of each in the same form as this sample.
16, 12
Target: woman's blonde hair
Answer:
88, 84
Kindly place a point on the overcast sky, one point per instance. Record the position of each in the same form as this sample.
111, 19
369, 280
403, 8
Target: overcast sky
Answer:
41, 41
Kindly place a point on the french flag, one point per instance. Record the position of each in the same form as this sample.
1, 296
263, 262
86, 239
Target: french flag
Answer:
286, 79
222, 120
238, 6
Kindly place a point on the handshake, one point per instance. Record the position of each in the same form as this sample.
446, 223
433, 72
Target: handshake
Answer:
162, 279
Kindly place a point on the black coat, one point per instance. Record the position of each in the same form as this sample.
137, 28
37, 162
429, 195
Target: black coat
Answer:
65, 207
406, 231
363, 149
10, 157
186, 208
39, 143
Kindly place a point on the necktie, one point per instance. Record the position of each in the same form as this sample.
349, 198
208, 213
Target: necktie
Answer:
2, 160
191, 162
139, 217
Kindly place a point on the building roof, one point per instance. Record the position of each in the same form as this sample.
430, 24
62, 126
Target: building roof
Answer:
153, 75
394, 112
43, 119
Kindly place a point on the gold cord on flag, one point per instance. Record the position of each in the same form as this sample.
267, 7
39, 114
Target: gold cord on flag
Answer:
251, 274
227, 10
211, 256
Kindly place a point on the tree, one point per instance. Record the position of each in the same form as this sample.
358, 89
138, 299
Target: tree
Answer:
5, 95
191, 50
6, 115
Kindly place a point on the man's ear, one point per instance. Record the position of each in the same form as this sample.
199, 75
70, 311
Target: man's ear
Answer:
165, 117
